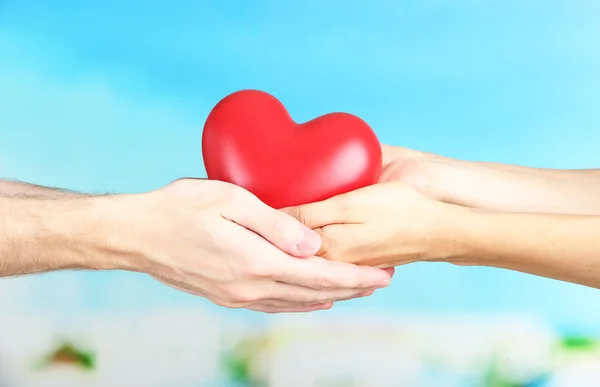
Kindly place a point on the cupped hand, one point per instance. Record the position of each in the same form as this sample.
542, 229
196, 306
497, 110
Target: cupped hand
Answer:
219, 241
383, 225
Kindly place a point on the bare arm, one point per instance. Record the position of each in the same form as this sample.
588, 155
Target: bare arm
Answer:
183, 236
493, 186
393, 224
563, 247
40, 235
21, 189
520, 189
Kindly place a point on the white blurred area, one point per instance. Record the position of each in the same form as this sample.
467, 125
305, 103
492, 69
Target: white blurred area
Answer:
191, 346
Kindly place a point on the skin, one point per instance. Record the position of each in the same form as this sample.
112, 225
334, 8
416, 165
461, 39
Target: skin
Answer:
203, 237
492, 186
430, 208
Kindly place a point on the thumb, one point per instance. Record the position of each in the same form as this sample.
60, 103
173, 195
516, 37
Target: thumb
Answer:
279, 228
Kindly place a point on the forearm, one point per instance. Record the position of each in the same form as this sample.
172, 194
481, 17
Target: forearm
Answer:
563, 247
44, 235
518, 189
21, 189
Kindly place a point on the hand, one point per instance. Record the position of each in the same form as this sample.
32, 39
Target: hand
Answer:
493, 186
219, 241
464, 183
421, 170
383, 225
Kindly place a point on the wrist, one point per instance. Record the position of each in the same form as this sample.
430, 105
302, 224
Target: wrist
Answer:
454, 235
475, 237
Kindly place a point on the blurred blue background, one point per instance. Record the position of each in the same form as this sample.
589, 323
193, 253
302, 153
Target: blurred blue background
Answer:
112, 96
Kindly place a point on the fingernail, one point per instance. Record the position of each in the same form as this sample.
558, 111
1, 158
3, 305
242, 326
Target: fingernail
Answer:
391, 271
365, 293
385, 282
310, 242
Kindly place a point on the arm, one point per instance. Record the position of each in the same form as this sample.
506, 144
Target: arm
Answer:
563, 247
393, 224
182, 235
39, 235
496, 187
21, 189
519, 189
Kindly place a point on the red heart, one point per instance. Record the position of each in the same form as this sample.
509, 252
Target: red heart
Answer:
250, 140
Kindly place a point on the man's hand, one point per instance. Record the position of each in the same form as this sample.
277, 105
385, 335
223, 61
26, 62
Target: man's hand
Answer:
207, 238
383, 225
219, 241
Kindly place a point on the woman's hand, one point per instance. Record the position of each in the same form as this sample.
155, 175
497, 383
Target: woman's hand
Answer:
491, 186
383, 225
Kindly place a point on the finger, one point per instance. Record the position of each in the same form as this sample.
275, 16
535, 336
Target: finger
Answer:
275, 309
273, 306
320, 214
318, 273
359, 295
276, 294
282, 294
279, 228
336, 298
180, 286
325, 243
288, 297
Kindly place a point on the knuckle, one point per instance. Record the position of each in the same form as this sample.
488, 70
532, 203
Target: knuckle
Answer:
325, 281
301, 214
223, 192
325, 249
236, 194
331, 249
230, 193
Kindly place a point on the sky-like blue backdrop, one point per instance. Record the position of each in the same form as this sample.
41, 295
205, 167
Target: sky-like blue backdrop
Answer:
112, 95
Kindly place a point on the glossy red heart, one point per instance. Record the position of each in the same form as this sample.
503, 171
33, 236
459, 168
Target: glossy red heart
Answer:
250, 140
